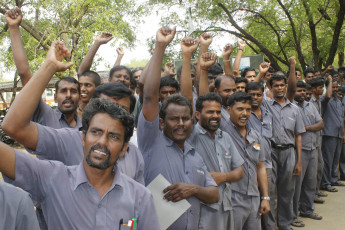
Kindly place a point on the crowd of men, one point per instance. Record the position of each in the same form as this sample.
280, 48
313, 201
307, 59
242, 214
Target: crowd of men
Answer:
247, 150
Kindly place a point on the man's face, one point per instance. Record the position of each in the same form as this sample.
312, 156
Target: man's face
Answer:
278, 88
166, 91
318, 90
268, 75
136, 75
211, 80
308, 77
250, 75
67, 97
241, 87
298, 75
317, 74
300, 94
121, 76
210, 116
335, 87
177, 124
124, 102
226, 88
87, 87
104, 141
240, 113
308, 94
257, 96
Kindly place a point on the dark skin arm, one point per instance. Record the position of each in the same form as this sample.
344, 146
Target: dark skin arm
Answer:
227, 50
298, 144
206, 61
263, 68
263, 187
237, 62
292, 81
329, 90
180, 191
120, 53
232, 176
315, 127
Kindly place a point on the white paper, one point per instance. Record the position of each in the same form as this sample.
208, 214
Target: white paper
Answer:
168, 212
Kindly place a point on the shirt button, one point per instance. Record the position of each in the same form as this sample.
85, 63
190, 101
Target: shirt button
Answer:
100, 206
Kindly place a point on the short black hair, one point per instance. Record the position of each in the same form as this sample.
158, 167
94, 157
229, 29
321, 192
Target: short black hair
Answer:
179, 70
255, 86
169, 81
97, 105
241, 79
341, 69
276, 77
137, 69
116, 90
219, 79
301, 84
96, 79
308, 86
308, 70
175, 99
245, 70
120, 67
239, 97
216, 69
315, 82
68, 79
271, 69
199, 105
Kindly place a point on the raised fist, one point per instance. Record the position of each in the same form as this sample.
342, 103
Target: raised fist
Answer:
104, 37
189, 45
14, 17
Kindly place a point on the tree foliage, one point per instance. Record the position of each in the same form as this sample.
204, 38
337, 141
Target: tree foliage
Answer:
311, 30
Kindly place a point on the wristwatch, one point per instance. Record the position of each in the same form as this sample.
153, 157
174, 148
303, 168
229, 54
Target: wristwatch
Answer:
265, 198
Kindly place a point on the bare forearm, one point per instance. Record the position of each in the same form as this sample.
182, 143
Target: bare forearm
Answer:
118, 60
227, 65
329, 91
234, 175
291, 88
259, 77
207, 195
315, 127
237, 62
19, 55
88, 59
262, 179
298, 143
7, 163
186, 80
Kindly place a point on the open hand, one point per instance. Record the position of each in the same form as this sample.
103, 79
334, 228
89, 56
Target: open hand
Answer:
56, 54
179, 191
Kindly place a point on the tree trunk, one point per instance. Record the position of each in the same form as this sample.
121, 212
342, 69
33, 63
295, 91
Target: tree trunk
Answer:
341, 59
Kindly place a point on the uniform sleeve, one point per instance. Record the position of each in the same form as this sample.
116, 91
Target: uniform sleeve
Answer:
147, 132
26, 216
32, 175
148, 218
262, 150
42, 113
299, 127
316, 113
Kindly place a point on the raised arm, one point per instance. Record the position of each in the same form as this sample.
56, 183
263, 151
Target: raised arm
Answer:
227, 50
169, 70
13, 18
101, 39
292, 81
152, 73
188, 47
120, 52
329, 90
206, 61
263, 68
329, 68
17, 121
237, 62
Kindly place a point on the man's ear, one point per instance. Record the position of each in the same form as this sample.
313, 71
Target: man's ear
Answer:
83, 134
215, 90
55, 97
228, 108
124, 149
161, 123
197, 115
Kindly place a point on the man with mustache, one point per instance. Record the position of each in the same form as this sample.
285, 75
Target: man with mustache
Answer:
67, 90
167, 152
246, 192
221, 158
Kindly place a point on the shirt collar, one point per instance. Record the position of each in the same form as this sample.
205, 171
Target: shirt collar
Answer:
62, 116
187, 147
287, 101
201, 130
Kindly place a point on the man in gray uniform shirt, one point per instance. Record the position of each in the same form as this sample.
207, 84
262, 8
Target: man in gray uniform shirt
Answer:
287, 129
332, 136
16, 209
317, 85
305, 184
261, 121
166, 152
221, 158
245, 192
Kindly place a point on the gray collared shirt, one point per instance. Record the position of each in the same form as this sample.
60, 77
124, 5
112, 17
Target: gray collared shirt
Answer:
47, 116
287, 121
317, 104
225, 121
263, 127
163, 156
69, 201
65, 145
251, 152
332, 114
219, 155
16, 209
310, 116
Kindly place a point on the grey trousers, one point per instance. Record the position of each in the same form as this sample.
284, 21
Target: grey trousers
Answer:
268, 221
215, 219
331, 148
246, 211
305, 184
342, 163
320, 164
283, 165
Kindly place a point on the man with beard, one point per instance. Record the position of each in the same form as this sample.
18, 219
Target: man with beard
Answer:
306, 183
261, 121
67, 90
167, 153
246, 192
93, 194
221, 158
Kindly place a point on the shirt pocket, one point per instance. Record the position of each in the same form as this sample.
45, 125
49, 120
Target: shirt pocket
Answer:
227, 158
267, 126
290, 123
198, 176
